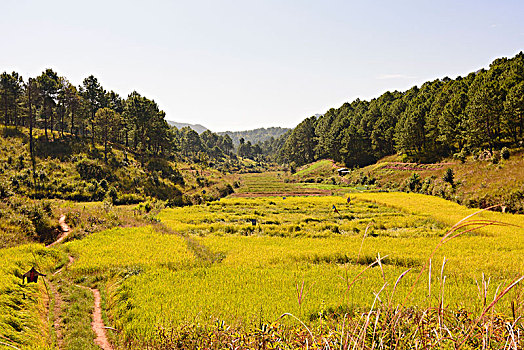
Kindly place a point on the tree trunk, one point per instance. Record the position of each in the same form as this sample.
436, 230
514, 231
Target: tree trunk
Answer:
62, 113
15, 106
105, 149
72, 120
93, 129
5, 114
31, 142
52, 127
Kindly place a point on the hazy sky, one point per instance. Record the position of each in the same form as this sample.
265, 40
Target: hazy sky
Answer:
236, 65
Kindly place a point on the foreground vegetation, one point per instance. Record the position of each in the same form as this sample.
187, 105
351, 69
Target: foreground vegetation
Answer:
302, 258
286, 260
23, 307
284, 272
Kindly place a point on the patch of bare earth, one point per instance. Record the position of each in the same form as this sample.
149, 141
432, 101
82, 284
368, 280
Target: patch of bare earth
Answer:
98, 324
64, 227
280, 194
57, 309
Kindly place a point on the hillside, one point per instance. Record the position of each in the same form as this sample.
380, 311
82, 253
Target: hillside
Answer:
440, 119
71, 169
197, 127
478, 182
256, 135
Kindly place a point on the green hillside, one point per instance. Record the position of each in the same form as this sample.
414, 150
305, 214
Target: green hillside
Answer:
443, 118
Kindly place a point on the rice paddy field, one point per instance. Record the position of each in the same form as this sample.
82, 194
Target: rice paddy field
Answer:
293, 271
244, 262
23, 306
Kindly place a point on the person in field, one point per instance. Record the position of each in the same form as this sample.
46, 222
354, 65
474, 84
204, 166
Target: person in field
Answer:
335, 210
349, 200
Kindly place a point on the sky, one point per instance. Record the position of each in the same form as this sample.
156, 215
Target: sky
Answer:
238, 65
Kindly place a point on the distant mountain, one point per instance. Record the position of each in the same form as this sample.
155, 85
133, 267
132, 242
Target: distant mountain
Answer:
197, 127
256, 135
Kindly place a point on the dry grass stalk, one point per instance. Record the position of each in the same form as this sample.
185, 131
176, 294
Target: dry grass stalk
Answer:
363, 238
453, 233
492, 304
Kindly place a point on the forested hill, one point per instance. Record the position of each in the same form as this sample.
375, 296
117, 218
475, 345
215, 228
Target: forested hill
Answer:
256, 135
444, 117
197, 127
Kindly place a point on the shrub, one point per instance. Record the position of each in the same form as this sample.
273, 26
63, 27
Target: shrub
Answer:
161, 165
414, 182
90, 169
495, 158
5, 191
104, 184
461, 156
112, 194
448, 176
128, 198
202, 181
426, 186
225, 190
505, 153
514, 201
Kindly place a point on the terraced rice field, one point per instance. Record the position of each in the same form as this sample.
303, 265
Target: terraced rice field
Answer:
290, 271
269, 256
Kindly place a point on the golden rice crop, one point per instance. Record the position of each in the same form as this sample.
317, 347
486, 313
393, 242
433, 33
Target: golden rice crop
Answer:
22, 305
128, 247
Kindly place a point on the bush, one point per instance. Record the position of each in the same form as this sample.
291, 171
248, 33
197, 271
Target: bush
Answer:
505, 153
225, 190
90, 169
104, 185
427, 186
5, 191
461, 156
128, 198
39, 215
448, 176
495, 158
165, 169
414, 182
514, 201
112, 194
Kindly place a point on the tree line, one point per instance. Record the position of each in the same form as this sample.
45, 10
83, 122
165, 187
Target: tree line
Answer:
442, 118
255, 136
52, 103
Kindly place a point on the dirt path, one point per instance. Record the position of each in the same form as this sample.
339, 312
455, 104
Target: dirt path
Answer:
57, 308
65, 230
98, 324
57, 311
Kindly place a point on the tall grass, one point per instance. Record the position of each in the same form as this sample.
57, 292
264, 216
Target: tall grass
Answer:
23, 306
350, 289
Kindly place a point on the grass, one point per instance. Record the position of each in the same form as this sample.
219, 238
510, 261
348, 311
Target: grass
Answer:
207, 276
23, 311
323, 167
273, 268
120, 248
477, 183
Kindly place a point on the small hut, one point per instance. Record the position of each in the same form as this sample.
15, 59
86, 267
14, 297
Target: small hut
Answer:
31, 275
